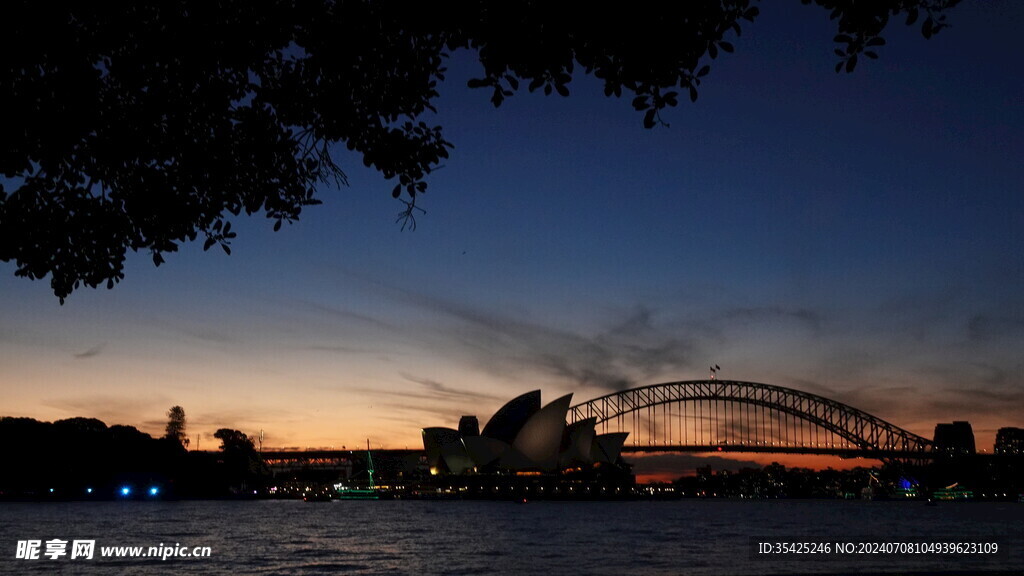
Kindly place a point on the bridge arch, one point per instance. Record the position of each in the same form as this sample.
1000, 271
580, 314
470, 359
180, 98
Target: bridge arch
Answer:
773, 409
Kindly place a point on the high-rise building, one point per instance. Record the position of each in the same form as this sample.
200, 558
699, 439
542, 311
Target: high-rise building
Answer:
1010, 441
956, 439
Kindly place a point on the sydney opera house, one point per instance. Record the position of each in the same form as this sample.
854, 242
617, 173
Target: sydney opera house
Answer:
526, 440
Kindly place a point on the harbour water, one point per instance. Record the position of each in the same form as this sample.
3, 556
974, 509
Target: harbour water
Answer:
477, 537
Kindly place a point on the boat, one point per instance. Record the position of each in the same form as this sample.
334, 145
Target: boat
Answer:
953, 492
368, 491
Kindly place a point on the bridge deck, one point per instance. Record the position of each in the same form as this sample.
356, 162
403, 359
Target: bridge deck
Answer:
841, 452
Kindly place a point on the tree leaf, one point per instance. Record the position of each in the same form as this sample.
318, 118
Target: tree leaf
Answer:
649, 121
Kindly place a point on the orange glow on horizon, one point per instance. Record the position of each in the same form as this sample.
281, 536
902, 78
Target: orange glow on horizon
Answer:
739, 460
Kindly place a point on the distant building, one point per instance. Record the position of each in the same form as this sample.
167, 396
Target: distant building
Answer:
1010, 441
956, 439
469, 426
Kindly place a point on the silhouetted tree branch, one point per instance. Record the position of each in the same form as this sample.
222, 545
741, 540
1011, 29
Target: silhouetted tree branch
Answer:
144, 125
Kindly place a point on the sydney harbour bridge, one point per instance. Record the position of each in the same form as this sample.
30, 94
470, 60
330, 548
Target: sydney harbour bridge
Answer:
710, 416
731, 416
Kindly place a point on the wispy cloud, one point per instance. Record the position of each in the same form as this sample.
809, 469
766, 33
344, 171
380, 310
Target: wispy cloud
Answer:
439, 390
629, 350
91, 352
987, 328
888, 358
339, 313
339, 349
809, 319
430, 403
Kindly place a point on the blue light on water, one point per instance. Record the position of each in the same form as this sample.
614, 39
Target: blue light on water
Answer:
88, 490
153, 491
126, 490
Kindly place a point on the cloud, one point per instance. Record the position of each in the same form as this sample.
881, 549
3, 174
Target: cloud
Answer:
431, 403
987, 328
628, 350
895, 358
339, 349
94, 351
806, 318
811, 387
442, 391
348, 315
420, 415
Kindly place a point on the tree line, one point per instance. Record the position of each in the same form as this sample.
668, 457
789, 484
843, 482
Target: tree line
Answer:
84, 458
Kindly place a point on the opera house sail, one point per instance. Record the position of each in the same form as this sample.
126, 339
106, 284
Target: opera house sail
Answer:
527, 440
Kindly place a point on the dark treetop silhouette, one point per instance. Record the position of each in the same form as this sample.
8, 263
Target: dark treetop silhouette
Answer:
145, 125
175, 429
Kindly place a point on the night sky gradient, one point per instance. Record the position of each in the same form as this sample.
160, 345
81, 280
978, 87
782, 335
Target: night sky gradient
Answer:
857, 236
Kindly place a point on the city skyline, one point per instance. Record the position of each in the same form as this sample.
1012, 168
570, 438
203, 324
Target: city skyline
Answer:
853, 235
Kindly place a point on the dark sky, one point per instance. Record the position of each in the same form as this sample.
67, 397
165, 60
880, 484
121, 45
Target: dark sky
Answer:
852, 235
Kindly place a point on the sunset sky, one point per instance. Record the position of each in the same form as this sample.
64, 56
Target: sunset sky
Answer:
858, 236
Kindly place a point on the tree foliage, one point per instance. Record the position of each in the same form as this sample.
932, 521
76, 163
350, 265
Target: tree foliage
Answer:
234, 441
176, 425
144, 125
242, 464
